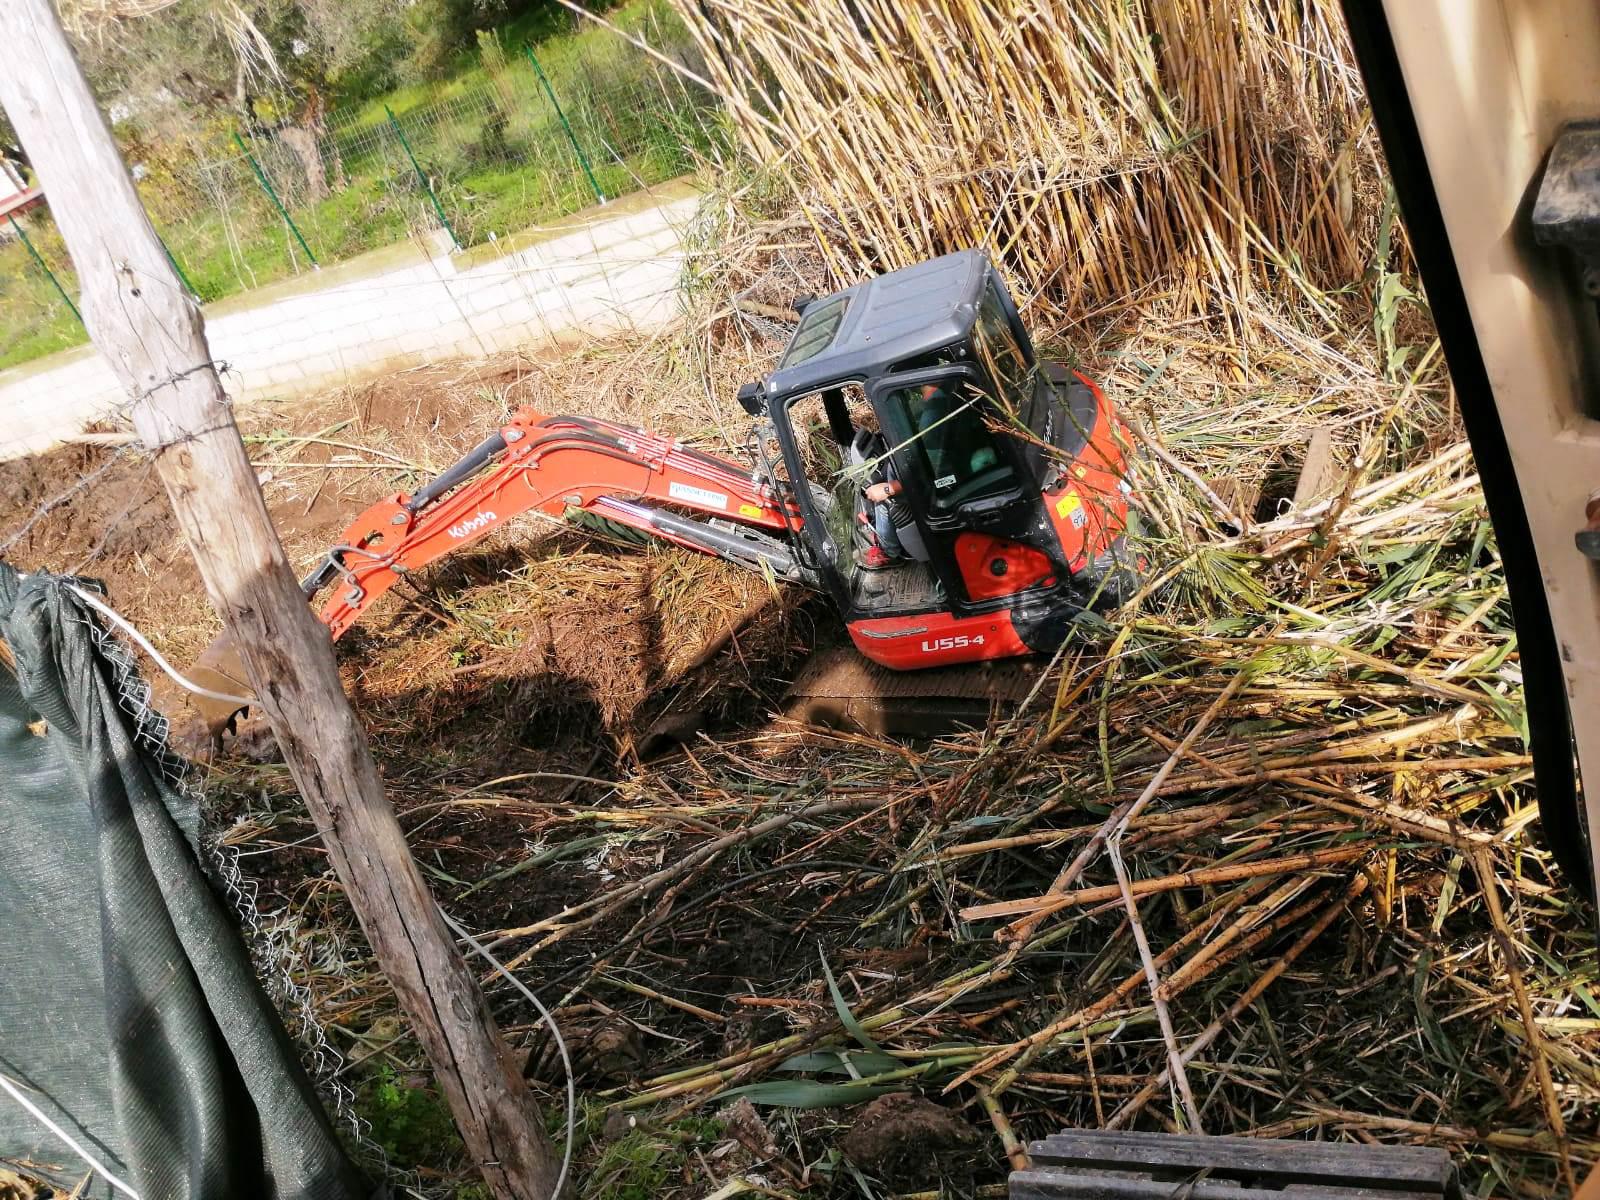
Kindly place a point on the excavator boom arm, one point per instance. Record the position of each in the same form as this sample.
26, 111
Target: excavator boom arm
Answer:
537, 463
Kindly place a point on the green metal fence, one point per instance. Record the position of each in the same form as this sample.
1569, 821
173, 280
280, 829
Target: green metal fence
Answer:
534, 140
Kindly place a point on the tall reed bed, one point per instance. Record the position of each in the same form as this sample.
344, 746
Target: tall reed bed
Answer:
1108, 151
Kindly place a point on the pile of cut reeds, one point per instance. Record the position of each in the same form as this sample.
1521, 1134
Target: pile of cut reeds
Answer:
1260, 856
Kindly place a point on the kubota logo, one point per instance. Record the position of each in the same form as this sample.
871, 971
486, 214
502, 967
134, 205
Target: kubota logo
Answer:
471, 525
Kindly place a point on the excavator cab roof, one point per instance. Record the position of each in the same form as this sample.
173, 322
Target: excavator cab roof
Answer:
886, 322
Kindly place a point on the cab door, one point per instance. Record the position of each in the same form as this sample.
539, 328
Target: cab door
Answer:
970, 487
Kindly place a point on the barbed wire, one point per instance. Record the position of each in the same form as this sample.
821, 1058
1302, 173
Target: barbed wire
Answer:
51, 505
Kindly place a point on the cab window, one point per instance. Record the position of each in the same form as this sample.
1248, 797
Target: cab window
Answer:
816, 331
1001, 355
949, 441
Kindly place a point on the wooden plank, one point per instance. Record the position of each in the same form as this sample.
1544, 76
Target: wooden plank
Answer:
1044, 1184
144, 323
1344, 1164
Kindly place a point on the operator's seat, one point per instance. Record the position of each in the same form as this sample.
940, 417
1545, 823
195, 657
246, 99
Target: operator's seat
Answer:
963, 461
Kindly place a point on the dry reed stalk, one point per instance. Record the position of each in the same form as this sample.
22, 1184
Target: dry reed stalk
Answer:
1048, 903
1029, 1047
1016, 1152
1490, 885
1152, 977
1021, 930
1265, 980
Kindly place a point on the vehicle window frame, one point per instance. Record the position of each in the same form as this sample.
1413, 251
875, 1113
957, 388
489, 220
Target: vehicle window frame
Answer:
834, 568
1015, 389
911, 460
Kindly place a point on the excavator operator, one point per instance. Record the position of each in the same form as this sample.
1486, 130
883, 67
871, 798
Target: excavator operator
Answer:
889, 515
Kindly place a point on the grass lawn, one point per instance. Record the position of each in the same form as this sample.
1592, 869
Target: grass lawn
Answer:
34, 321
492, 147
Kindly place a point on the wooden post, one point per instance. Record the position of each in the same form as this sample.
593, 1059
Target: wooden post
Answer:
147, 327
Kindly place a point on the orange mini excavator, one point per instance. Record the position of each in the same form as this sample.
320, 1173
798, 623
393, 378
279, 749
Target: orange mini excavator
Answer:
1009, 509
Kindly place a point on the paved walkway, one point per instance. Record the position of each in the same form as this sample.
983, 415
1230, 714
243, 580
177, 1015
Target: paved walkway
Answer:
609, 268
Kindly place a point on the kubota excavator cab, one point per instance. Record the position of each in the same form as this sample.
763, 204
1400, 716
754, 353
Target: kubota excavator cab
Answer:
1013, 507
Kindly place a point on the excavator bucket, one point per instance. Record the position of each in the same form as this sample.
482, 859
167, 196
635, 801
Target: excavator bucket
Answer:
219, 669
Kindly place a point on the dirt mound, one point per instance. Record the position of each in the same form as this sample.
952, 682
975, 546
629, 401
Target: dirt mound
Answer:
557, 639
904, 1139
84, 509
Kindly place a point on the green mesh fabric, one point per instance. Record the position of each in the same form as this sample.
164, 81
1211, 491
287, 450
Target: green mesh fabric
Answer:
129, 1010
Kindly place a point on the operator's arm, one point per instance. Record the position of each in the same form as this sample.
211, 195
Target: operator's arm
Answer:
882, 493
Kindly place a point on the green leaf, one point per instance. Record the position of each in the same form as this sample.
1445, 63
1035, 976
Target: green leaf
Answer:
805, 1093
1385, 635
1447, 893
984, 822
1404, 552
1392, 291
841, 1062
860, 1180
847, 1017
1091, 624
553, 854
1398, 358
440, 873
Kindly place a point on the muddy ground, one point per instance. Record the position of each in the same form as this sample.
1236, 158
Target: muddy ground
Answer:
533, 672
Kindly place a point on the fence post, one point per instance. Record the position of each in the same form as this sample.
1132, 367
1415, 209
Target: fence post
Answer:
43, 266
583, 159
154, 340
266, 186
427, 187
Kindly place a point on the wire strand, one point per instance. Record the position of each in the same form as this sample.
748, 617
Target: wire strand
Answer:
555, 1032
77, 1147
127, 627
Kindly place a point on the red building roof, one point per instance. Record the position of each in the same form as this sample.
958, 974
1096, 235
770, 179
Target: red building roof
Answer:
21, 202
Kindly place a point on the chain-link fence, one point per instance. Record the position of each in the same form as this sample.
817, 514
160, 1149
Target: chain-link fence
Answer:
38, 291
527, 141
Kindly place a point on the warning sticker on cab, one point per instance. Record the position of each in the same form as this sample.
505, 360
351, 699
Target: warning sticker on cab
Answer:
1068, 504
697, 495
